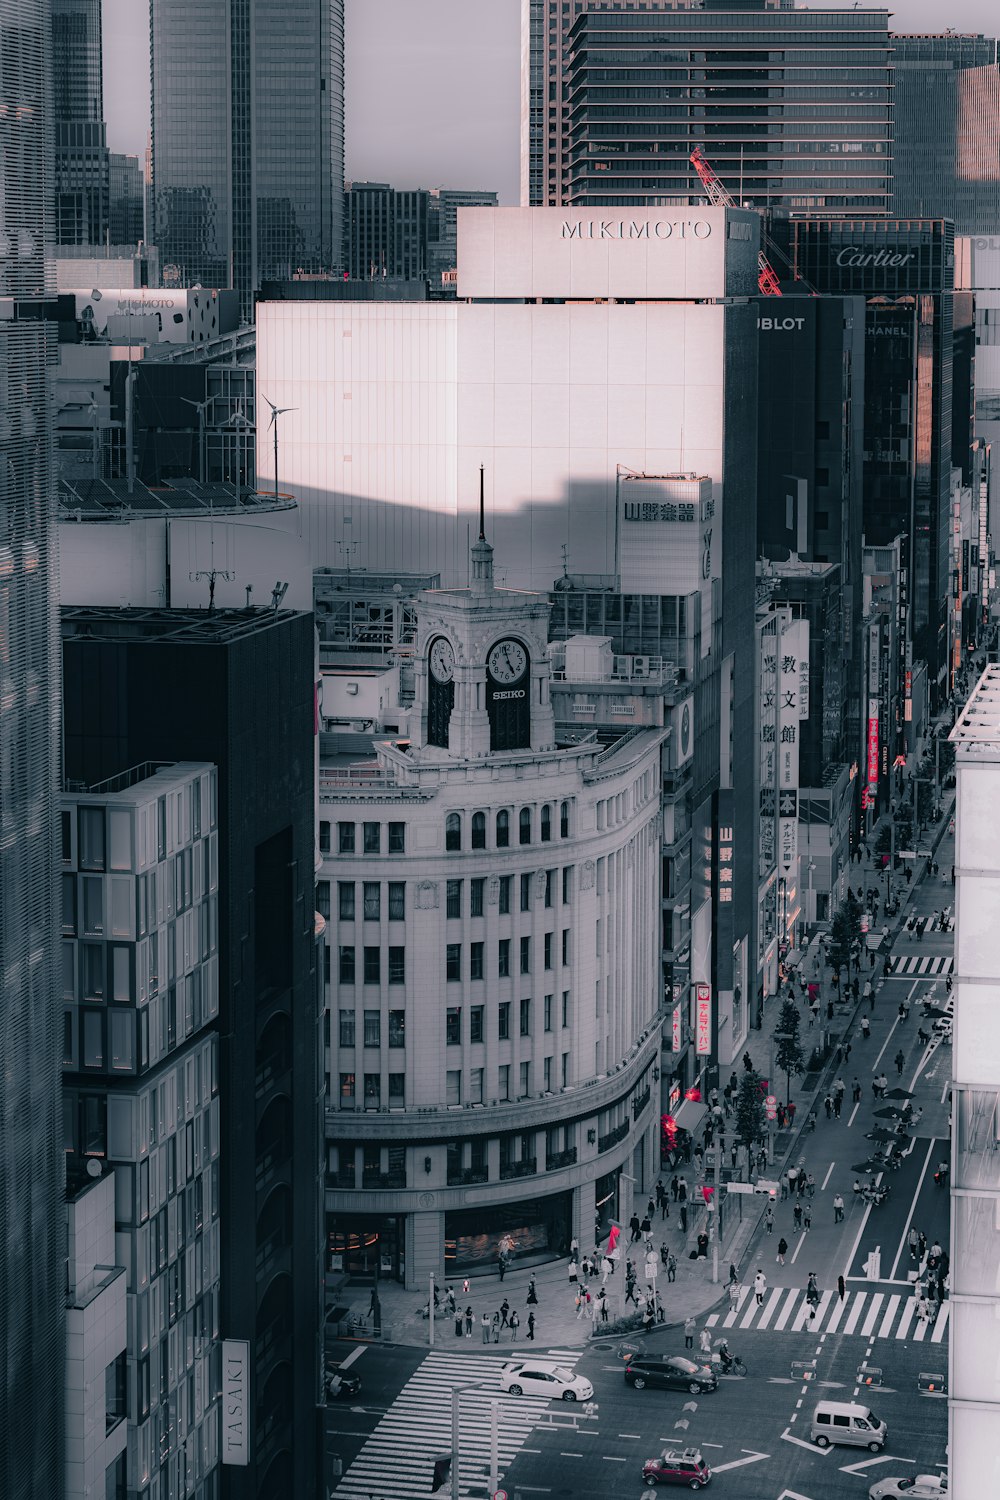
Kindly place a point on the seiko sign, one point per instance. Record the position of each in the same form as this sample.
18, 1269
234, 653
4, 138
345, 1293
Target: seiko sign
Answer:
857, 256
635, 229
510, 693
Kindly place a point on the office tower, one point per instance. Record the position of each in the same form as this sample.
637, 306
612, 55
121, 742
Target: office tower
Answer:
385, 232
126, 211
32, 1234
235, 689
140, 996
442, 232
476, 1090
813, 135
81, 149
946, 131
973, 1394
247, 139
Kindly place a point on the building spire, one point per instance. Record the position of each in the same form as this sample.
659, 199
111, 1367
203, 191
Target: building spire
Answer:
482, 552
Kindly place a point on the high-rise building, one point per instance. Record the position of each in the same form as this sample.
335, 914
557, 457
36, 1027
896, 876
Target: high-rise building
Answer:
234, 689
643, 87
126, 211
973, 1389
442, 232
81, 150
248, 139
32, 1218
385, 231
946, 130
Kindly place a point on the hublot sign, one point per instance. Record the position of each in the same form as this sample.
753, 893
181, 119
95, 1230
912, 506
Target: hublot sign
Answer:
857, 256
635, 229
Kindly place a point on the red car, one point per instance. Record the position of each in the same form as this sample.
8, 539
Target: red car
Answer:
677, 1466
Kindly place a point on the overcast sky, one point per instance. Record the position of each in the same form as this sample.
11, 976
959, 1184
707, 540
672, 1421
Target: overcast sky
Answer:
432, 85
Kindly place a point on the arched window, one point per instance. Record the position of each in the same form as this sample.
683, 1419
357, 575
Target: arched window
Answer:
564, 820
546, 831
503, 829
453, 831
479, 830
524, 825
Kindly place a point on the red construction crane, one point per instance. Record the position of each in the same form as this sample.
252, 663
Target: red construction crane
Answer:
718, 194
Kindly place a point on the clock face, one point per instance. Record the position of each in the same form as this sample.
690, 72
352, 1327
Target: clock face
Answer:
507, 661
442, 660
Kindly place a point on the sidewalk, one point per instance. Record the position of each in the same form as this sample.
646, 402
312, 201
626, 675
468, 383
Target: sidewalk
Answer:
692, 1294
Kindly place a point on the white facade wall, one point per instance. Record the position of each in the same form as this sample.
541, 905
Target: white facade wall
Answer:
398, 404
95, 1338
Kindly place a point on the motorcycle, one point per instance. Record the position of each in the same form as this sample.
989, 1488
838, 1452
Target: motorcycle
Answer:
731, 1366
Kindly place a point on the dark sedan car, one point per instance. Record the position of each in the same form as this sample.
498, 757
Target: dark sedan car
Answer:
670, 1372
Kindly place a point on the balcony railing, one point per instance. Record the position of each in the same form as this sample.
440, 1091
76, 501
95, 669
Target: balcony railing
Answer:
383, 1180
559, 1159
468, 1176
639, 1103
524, 1168
605, 1142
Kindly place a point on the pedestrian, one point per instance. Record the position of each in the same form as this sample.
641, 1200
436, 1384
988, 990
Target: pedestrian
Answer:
866, 1027
514, 1325
782, 1251
459, 1321
759, 1286
903, 1011
838, 1209
807, 1217
734, 1295
504, 1313
913, 1239
921, 1245
682, 1190
684, 1218
502, 1266
856, 1091
828, 1106
602, 1306
900, 1061
784, 1186
797, 1215
496, 1328
705, 1343
635, 1228
769, 1219
874, 1088
671, 1266
468, 1322
486, 1327
689, 1328
674, 1185
883, 1084
792, 1175
531, 1326
811, 1185
532, 1298
647, 1319
841, 1288
573, 1271
838, 1100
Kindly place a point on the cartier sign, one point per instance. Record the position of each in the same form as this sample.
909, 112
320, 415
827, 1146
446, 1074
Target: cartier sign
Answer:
635, 229
857, 256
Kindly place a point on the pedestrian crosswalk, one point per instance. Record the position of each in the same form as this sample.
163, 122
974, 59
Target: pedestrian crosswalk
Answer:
880, 1315
397, 1460
917, 966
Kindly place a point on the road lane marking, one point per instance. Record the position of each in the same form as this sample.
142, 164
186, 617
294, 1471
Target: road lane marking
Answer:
903, 1240
826, 1179
852, 1322
871, 1316
875, 1067
354, 1354
788, 1437
739, 1463
798, 1247
608, 1458
866, 1214
890, 1313
785, 1313
768, 1311
909, 1308
838, 1313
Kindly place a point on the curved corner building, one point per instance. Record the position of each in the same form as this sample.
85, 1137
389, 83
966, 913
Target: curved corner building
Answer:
32, 1229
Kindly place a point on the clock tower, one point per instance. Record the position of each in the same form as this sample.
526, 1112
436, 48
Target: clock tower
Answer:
482, 666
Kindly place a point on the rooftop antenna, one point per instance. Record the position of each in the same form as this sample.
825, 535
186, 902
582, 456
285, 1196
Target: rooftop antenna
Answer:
482, 506
565, 558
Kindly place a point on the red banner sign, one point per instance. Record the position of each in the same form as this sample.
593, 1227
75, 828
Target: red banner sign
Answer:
703, 1018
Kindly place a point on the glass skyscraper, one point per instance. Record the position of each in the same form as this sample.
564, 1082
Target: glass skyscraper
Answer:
793, 108
32, 1224
248, 139
81, 159
946, 156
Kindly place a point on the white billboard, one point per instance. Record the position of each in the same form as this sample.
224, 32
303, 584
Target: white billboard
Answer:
236, 1402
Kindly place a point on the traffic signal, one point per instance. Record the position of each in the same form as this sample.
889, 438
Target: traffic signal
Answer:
442, 1468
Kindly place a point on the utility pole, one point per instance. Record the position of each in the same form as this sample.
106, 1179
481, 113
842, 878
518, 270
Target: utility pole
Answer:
430, 1313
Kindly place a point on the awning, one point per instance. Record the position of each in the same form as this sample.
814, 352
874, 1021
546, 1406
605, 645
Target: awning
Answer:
689, 1114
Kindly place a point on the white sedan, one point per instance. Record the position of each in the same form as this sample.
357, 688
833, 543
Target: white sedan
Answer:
540, 1377
914, 1487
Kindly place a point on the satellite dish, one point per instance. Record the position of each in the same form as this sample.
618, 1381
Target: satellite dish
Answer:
94, 1168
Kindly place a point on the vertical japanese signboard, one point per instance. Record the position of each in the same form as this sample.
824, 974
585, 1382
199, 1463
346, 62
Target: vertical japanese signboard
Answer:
702, 1018
236, 1402
793, 646
768, 750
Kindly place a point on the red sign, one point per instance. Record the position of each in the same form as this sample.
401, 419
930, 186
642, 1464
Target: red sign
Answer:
675, 1029
873, 743
703, 1018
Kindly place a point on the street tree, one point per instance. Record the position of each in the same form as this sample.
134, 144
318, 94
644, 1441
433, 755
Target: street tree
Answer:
751, 1121
790, 1057
845, 933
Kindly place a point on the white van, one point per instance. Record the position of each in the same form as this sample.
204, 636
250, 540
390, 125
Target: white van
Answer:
846, 1423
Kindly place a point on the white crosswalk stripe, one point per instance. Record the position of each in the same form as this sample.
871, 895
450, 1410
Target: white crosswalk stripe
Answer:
397, 1459
919, 967
879, 1315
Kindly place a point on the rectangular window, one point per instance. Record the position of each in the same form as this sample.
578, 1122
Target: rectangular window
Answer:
476, 961
453, 1026
326, 964
397, 900
92, 970
505, 885
373, 900
345, 900
548, 950
453, 1086
93, 1039
397, 1028
549, 886
453, 961
564, 1072
567, 885
503, 1020
476, 1023
547, 1074
122, 1038
347, 1090
397, 965
525, 892
453, 898
547, 1008
324, 837
345, 969
91, 838
476, 1086
565, 945
373, 1091
526, 955
345, 838
503, 958
347, 1028
373, 1028
526, 1017
524, 1085
397, 838
503, 1082
565, 1007
373, 965
397, 1090
373, 838
476, 892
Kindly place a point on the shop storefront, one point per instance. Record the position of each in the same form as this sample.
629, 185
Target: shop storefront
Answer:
366, 1248
530, 1232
